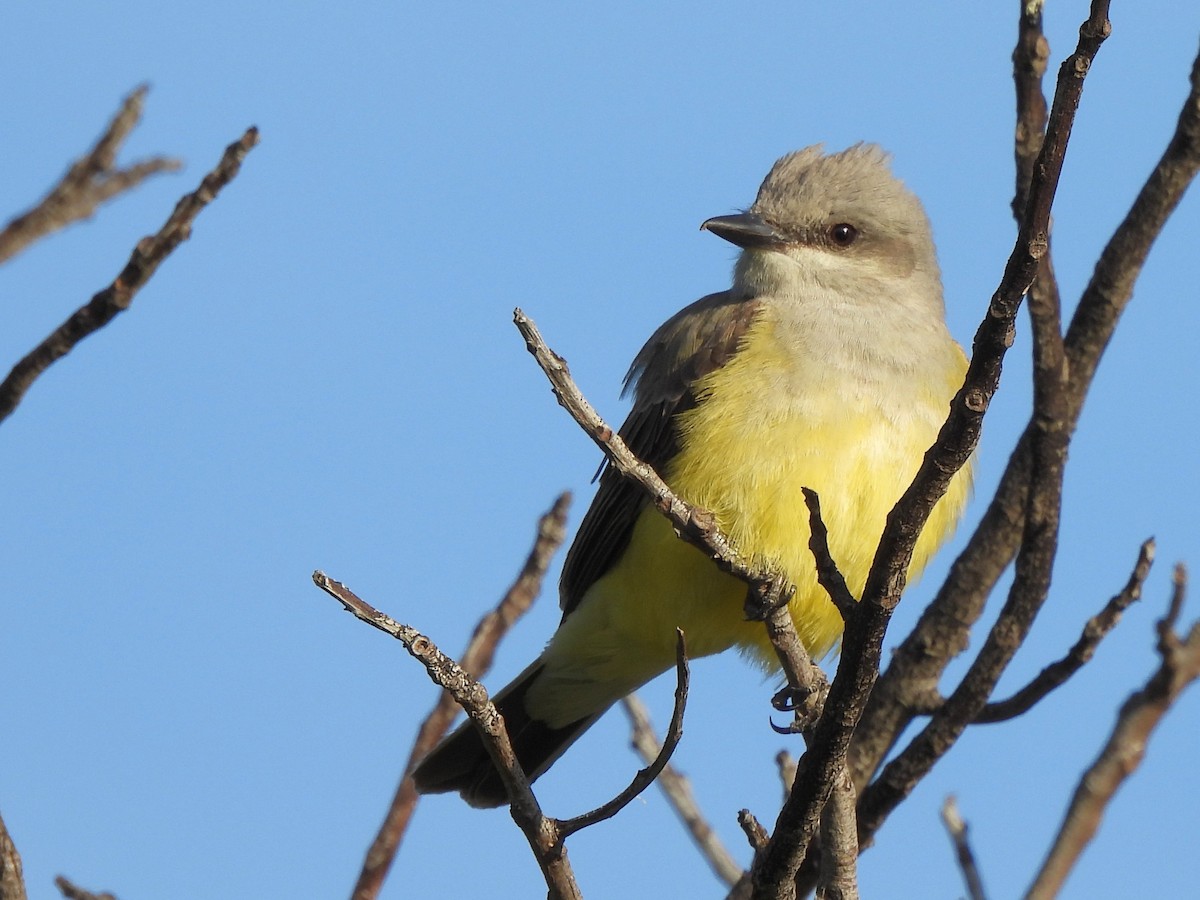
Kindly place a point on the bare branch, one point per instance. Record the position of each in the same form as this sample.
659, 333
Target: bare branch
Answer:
91, 181
116, 298
755, 833
74, 892
829, 576
838, 878
695, 525
476, 660
645, 777
1126, 747
12, 881
678, 791
768, 590
942, 630
1096, 629
786, 764
957, 828
1059, 672
862, 644
541, 832
807, 687
1030, 59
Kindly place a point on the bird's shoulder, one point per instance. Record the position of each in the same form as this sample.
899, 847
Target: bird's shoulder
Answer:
701, 337
694, 342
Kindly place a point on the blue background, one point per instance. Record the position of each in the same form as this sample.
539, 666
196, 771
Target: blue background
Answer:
326, 376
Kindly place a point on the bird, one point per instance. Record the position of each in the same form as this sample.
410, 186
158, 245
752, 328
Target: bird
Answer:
827, 365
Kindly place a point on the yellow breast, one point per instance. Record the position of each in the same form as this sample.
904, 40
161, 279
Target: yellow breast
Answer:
766, 425
769, 424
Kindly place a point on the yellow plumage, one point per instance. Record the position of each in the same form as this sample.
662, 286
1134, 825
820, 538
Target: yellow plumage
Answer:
826, 365
746, 451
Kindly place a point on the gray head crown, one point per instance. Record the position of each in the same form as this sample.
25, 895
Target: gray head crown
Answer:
807, 191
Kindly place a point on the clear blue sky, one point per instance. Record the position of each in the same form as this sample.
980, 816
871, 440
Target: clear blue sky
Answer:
326, 376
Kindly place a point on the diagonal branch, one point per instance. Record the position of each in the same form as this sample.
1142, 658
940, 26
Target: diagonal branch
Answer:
695, 525
862, 645
679, 794
828, 574
768, 591
91, 181
72, 891
942, 631
116, 298
541, 832
1126, 746
476, 660
1096, 629
838, 876
956, 827
645, 777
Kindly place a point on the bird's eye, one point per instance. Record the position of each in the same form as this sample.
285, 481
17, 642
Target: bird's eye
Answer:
843, 234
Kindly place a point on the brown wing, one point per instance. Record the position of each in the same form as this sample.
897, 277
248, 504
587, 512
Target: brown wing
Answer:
695, 341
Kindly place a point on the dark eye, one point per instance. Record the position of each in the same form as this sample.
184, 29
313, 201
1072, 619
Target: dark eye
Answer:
843, 234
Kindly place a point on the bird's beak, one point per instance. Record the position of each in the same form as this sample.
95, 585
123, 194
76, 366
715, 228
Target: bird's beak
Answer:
746, 230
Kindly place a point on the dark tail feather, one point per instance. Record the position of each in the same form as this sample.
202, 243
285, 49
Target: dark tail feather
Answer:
460, 762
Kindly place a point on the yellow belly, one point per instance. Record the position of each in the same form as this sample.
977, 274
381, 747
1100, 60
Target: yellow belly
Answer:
747, 449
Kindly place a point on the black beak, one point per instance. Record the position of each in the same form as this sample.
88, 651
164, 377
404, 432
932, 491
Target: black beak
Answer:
745, 230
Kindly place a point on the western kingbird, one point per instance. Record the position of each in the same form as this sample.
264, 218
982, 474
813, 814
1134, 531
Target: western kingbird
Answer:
826, 365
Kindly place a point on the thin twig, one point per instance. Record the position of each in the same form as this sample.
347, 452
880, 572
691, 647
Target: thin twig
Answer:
476, 660
89, 182
1030, 58
956, 826
540, 831
645, 777
678, 791
768, 592
829, 576
116, 298
786, 764
1097, 628
1048, 443
753, 829
695, 525
807, 687
1126, 746
74, 892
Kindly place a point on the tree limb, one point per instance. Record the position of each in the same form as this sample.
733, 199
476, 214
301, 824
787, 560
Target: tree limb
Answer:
1096, 629
645, 777
476, 660
1126, 746
838, 878
73, 892
91, 181
767, 590
116, 298
941, 633
956, 827
540, 831
678, 791
859, 664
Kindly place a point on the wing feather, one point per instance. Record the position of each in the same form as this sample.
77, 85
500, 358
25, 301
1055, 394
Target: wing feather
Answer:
698, 339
